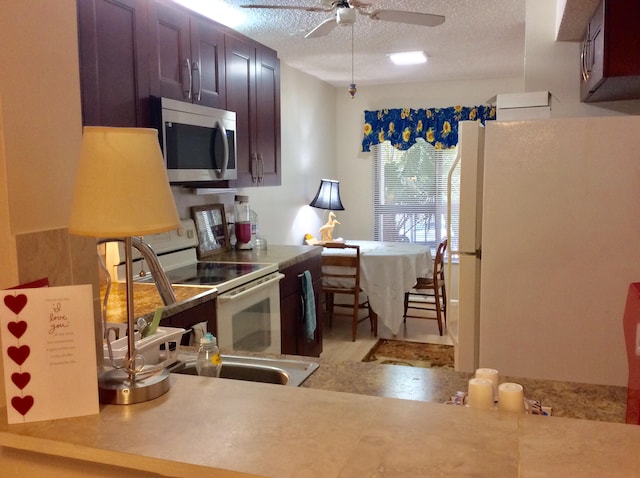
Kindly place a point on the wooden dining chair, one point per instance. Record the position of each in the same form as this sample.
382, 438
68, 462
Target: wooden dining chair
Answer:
429, 292
341, 275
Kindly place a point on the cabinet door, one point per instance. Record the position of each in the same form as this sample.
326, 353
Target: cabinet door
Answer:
114, 78
612, 65
204, 312
169, 60
268, 117
240, 91
293, 334
208, 68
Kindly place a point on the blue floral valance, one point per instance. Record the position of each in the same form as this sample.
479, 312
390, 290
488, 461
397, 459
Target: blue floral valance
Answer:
437, 126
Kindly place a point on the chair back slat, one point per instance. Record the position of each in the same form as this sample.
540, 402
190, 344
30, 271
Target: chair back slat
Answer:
341, 276
429, 293
342, 271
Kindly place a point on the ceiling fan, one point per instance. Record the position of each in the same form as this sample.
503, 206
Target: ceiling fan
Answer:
345, 14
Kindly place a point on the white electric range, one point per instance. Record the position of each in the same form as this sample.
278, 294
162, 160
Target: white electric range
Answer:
248, 302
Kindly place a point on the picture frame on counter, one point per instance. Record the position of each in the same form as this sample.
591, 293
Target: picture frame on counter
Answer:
212, 230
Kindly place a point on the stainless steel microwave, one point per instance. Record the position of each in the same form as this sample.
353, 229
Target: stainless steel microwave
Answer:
198, 142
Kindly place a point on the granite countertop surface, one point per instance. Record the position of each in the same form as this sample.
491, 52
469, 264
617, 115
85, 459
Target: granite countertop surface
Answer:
567, 399
438, 385
146, 300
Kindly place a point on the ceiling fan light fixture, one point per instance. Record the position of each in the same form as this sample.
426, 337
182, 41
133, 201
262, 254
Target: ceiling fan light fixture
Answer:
408, 57
345, 16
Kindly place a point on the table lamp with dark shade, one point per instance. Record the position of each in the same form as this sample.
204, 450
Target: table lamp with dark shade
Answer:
328, 198
122, 191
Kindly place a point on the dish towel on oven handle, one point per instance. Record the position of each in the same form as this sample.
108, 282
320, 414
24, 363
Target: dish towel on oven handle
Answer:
308, 306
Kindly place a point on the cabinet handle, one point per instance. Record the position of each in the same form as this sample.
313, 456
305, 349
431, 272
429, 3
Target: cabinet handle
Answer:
583, 61
187, 91
254, 167
585, 57
261, 168
196, 68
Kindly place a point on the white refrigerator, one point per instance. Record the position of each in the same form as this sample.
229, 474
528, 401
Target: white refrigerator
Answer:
549, 241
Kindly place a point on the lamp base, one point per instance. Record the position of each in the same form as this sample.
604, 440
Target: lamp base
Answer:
115, 388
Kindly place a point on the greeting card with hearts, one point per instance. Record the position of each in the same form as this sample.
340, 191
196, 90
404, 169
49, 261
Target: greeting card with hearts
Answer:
48, 351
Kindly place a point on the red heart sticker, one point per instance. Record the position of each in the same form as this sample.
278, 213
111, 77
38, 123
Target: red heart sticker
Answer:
19, 354
17, 328
21, 379
22, 404
15, 303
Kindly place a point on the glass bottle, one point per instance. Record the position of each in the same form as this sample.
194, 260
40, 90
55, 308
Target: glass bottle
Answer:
208, 362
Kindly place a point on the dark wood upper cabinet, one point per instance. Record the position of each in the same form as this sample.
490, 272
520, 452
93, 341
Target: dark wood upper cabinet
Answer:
207, 48
131, 50
240, 61
253, 92
268, 116
186, 60
610, 64
113, 51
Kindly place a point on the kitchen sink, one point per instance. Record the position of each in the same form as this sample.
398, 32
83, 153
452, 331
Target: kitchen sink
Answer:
287, 372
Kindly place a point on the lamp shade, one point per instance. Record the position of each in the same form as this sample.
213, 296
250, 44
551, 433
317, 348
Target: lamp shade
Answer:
328, 196
121, 187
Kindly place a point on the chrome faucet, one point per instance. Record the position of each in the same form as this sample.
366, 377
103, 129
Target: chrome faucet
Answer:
157, 272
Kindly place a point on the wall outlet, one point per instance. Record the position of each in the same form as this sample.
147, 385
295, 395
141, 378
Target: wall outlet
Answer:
638, 340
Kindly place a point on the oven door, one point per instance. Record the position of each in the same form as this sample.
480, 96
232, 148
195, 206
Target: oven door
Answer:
249, 316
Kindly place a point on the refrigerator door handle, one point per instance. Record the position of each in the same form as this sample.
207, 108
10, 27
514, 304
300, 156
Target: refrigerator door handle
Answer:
477, 253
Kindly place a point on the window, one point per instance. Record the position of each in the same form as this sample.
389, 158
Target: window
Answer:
410, 193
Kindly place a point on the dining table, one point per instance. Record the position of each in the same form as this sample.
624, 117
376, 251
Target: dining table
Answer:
387, 271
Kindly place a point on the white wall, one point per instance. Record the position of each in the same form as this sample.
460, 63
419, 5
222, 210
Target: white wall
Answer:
42, 125
308, 154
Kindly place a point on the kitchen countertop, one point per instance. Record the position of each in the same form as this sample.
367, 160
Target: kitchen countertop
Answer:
322, 431
146, 300
438, 385
204, 426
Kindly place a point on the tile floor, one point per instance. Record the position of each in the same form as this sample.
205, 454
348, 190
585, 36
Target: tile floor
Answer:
338, 346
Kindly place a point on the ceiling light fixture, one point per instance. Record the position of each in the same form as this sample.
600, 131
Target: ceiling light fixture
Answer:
352, 87
408, 57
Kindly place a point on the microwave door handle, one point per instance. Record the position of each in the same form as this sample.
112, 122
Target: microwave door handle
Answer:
225, 144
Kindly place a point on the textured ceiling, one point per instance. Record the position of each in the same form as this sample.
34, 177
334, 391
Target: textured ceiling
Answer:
480, 39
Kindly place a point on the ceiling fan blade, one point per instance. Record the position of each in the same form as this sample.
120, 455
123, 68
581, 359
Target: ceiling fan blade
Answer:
413, 18
323, 29
288, 7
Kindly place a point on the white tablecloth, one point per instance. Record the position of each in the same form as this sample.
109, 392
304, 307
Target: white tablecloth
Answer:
387, 271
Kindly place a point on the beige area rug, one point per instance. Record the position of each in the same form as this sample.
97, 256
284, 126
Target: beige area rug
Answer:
411, 354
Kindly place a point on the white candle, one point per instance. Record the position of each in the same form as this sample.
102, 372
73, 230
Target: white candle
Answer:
492, 375
511, 397
480, 393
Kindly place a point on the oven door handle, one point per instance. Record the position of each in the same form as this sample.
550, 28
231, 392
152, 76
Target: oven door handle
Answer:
229, 296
